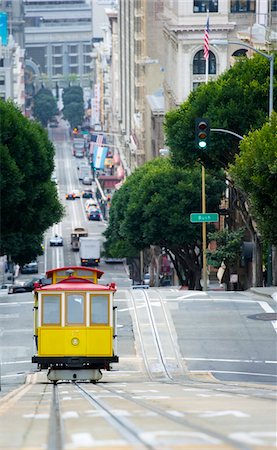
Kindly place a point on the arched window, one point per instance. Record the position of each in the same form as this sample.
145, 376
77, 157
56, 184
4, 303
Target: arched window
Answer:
240, 52
199, 63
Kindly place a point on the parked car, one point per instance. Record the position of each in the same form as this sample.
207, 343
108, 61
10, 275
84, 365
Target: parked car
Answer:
56, 241
146, 279
93, 214
4, 288
87, 180
28, 286
87, 193
31, 267
70, 196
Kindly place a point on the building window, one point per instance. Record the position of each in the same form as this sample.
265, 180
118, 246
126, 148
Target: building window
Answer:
57, 50
240, 52
196, 84
274, 5
201, 6
72, 49
199, 63
73, 60
243, 6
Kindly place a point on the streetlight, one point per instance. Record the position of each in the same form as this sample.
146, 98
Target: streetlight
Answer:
270, 109
269, 57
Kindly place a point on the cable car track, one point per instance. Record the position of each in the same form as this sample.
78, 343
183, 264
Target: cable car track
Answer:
55, 433
133, 430
215, 385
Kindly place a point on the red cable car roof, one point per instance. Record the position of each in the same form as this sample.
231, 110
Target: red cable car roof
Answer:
49, 273
77, 286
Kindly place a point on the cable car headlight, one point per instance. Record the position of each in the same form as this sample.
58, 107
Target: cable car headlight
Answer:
75, 341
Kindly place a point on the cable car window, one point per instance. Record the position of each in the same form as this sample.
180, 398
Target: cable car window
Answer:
99, 307
51, 310
75, 308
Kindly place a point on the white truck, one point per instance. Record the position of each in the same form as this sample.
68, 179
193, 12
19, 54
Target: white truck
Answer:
89, 251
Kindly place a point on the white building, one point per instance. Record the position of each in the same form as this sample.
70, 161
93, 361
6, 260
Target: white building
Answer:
12, 73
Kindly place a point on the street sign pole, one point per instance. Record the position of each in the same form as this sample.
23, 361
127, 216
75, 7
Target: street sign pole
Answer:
204, 231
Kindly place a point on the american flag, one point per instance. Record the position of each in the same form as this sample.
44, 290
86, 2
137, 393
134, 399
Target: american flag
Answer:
206, 40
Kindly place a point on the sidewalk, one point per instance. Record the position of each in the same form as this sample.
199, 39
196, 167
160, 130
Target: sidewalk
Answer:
265, 291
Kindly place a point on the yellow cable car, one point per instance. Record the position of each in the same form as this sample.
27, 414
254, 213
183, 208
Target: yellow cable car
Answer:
75, 324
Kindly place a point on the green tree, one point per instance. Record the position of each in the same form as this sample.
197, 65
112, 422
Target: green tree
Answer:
255, 172
29, 199
236, 101
153, 208
73, 94
45, 106
74, 113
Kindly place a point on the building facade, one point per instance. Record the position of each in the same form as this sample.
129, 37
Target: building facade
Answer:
58, 37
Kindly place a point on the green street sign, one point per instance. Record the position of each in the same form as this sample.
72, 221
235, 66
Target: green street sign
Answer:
203, 217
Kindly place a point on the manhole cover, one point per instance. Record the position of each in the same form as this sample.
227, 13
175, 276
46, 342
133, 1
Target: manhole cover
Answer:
264, 316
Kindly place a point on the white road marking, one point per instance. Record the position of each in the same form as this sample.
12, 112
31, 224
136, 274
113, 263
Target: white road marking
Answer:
157, 438
231, 360
268, 309
17, 303
36, 416
256, 437
70, 415
237, 373
15, 362
234, 413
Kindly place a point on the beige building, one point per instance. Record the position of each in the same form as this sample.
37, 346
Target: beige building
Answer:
157, 59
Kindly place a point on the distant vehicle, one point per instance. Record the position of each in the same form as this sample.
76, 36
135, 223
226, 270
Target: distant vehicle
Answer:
53, 123
146, 279
90, 204
70, 196
54, 178
114, 260
77, 232
4, 288
87, 193
89, 251
79, 148
93, 214
30, 268
76, 192
84, 171
87, 180
56, 241
79, 152
28, 286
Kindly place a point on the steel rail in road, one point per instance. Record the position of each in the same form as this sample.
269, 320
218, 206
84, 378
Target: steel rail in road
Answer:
151, 326
55, 433
170, 341
130, 432
193, 425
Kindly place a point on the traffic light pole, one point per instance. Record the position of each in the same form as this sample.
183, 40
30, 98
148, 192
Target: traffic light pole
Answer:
204, 232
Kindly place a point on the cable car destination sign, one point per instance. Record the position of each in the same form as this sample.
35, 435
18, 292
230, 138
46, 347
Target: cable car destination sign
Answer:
203, 217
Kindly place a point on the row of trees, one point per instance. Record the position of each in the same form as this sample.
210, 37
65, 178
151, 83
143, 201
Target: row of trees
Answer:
29, 200
153, 206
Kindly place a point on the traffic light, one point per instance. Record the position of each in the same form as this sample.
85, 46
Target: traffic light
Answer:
202, 133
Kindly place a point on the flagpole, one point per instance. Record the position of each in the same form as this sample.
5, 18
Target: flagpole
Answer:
204, 225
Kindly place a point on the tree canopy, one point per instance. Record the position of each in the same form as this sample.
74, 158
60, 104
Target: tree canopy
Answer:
73, 101
29, 199
237, 101
45, 106
153, 208
255, 172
